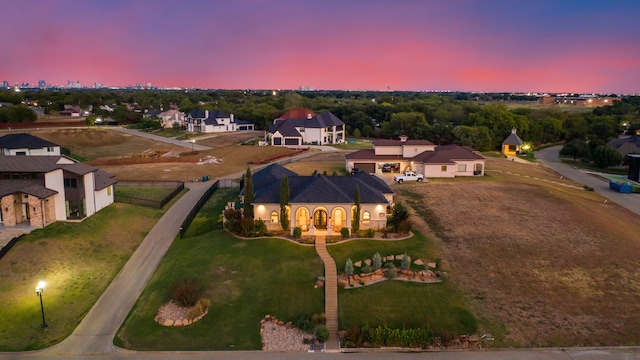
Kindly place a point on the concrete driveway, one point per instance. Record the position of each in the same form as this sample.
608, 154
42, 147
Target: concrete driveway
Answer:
186, 144
550, 157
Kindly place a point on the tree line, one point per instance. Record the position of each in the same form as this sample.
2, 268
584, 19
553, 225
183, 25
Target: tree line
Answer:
481, 121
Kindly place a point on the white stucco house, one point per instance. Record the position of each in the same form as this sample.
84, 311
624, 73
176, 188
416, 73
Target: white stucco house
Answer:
27, 144
205, 121
302, 126
421, 156
320, 203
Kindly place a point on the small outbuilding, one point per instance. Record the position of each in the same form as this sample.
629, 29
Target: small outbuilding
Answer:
512, 144
634, 167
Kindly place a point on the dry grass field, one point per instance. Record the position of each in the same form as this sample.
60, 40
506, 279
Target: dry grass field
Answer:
329, 162
542, 261
121, 154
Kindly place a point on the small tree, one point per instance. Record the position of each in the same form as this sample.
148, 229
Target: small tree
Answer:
356, 133
605, 156
348, 269
355, 222
377, 261
322, 333
248, 195
284, 201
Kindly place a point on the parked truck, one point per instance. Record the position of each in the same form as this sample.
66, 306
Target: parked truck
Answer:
408, 176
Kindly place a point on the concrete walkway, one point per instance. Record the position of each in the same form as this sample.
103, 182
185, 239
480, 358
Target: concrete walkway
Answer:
330, 293
94, 335
550, 157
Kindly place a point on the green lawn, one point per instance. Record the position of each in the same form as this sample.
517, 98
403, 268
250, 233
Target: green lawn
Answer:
588, 166
208, 217
77, 261
397, 303
354, 144
156, 193
244, 279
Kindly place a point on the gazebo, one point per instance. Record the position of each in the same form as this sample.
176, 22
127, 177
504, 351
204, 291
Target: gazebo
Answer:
512, 144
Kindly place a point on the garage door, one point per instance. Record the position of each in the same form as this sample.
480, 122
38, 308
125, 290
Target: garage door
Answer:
366, 167
291, 141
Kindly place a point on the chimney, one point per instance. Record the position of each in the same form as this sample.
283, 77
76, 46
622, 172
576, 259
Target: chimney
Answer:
309, 116
513, 130
403, 138
231, 116
206, 114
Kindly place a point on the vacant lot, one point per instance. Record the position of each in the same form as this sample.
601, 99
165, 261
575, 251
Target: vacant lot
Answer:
542, 261
327, 161
122, 154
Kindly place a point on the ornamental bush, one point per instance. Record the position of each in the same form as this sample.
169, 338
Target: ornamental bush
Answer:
297, 232
344, 232
186, 292
322, 333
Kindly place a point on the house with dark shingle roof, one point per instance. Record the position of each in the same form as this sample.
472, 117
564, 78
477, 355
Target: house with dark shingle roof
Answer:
320, 202
42, 189
205, 121
512, 144
302, 126
420, 156
27, 144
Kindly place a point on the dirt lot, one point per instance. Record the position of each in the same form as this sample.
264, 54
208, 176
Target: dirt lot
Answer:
543, 262
123, 154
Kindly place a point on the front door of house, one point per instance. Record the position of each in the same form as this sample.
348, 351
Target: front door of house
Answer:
320, 219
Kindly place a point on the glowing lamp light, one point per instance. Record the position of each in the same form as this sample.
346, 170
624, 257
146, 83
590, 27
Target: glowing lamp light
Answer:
39, 290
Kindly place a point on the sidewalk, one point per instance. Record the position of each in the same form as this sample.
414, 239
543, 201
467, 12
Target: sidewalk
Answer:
330, 293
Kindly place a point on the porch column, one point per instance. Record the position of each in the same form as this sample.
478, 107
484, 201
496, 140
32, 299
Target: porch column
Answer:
292, 222
349, 217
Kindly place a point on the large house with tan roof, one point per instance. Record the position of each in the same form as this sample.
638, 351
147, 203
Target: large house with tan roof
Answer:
421, 156
302, 126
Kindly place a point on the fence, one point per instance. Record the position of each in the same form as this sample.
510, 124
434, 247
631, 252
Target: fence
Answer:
194, 211
148, 202
9, 245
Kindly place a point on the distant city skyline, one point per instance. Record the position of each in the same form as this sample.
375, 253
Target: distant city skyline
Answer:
574, 46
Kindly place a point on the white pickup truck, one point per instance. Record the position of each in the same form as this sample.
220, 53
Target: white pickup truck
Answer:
408, 176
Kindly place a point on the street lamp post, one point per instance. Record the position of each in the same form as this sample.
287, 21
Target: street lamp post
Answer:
192, 142
39, 290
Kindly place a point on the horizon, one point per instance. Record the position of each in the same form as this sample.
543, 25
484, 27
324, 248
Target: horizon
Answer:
586, 47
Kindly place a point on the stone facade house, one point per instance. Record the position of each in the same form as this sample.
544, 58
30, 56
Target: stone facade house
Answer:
42, 189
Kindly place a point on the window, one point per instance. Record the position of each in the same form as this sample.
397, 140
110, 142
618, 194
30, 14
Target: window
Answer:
462, 167
443, 168
21, 153
274, 217
49, 149
70, 183
366, 217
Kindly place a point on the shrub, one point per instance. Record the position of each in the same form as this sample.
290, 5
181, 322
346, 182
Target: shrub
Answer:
246, 226
297, 232
303, 322
377, 261
354, 338
404, 227
259, 228
390, 275
389, 265
306, 341
399, 214
369, 233
200, 308
186, 292
348, 268
366, 269
322, 333
344, 232
386, 336
406, 262
319, 319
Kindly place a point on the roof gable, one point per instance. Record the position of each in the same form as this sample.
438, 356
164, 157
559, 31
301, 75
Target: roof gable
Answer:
24, 140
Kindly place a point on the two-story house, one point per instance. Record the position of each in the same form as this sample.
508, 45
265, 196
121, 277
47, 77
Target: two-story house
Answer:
421, 156
205, 121
302, 126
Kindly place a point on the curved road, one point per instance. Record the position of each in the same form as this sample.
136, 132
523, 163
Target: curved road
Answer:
550, 157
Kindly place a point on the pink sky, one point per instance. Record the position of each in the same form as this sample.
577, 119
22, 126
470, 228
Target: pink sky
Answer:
466, 45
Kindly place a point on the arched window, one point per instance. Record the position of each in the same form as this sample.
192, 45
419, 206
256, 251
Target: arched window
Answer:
366, 217
275, 217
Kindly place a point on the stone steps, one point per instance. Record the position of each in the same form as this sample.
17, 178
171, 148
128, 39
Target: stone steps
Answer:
330, 293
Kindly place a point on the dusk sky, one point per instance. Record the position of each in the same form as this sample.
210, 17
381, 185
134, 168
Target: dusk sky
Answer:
582, 46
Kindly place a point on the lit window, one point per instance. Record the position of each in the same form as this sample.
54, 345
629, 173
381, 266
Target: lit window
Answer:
443, 168
366, 217
274, 217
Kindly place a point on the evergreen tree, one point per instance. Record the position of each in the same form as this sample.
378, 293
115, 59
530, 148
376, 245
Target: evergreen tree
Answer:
377, 261
355, 222
248, 195
348, 269
284, 201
